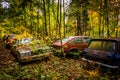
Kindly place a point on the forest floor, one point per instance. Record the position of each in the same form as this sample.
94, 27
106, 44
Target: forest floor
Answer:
55, 68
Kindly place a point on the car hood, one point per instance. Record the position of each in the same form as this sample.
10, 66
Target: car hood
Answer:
31, 48
57, 43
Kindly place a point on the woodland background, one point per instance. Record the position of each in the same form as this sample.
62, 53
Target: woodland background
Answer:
57, 19
60, 18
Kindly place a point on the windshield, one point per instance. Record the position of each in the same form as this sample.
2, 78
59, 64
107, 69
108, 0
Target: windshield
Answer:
102, 45
66, 39
25, 40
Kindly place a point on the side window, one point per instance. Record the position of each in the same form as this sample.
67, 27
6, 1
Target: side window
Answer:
108, 46
78, 40
87, 39
73, 41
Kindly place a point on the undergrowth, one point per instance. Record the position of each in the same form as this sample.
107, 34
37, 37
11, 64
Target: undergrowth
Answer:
56, 68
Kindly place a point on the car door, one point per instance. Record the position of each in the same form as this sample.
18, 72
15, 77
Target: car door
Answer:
101, 49
77, 43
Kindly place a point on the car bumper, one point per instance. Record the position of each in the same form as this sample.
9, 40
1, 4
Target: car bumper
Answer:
35, 57
110, 66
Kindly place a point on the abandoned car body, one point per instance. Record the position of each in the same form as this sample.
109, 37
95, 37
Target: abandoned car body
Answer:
72, 43
105, 52
29, 49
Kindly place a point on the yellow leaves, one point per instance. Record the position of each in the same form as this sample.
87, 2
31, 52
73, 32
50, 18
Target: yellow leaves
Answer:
48, 40
31, 13
36, 71
93, 73
93, 16
26, 34
117, 29
54, 78
19, 30
22, 31
2, 31
17, 37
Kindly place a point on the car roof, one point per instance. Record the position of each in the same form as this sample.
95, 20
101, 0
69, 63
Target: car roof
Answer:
107, 39
78, 36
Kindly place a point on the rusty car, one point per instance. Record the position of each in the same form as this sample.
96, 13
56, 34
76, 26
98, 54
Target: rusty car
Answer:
30, 49
105, 51
72, 44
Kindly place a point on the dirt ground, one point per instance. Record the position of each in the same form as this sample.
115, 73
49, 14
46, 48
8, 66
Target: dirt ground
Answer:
69, 67
6, 58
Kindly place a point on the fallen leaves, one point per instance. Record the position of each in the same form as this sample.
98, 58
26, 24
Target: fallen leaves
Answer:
56, 68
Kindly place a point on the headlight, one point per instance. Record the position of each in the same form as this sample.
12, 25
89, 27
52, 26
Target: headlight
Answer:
26, 53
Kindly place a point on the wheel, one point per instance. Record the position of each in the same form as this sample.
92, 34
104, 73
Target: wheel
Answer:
73, 50
74, 53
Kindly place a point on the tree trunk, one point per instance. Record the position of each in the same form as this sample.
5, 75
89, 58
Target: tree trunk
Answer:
60, 22
38, 23
106, 17
31, 19
64, 19
57, 21
79, 30
85, 16
45, 20
49, 17
100, 18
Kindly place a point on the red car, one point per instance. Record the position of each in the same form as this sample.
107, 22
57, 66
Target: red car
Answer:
72, 43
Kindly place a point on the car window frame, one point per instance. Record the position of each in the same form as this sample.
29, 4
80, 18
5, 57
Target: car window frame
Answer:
113, 50
73, 41
86, 41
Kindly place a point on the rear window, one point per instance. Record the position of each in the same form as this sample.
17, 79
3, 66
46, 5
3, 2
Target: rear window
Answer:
102, 45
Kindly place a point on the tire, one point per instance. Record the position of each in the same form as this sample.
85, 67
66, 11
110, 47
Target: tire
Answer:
73, 50
74, 53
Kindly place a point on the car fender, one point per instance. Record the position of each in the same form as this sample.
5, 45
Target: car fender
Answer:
75, 48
